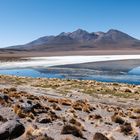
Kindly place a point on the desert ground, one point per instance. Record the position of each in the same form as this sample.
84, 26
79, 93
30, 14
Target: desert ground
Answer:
38, 109
18, 54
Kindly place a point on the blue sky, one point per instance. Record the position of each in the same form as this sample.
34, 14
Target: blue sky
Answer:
22, 21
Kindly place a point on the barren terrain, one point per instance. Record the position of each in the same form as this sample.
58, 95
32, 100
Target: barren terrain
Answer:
19, 54
68, 109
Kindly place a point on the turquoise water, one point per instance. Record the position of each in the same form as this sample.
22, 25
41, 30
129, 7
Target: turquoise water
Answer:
132, 77
29, 73
135, 71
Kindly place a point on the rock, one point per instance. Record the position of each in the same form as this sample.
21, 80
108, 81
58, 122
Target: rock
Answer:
117, 119
77, 106
11, 129
136, 138
2, 119
44, 137
27, 107
72, 129
12, 89
56, 106
34, 133
82, 105
76, 123
53, 115
53, 100
40, 137
99, 136
95, 117
24, 110
17, 109
66, 102
46, 119
137, 123
3, 98
37, 106
128, 90
29, 102
126, 128
136, 110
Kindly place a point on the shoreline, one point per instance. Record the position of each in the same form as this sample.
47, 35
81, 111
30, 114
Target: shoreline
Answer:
63, 60
38, 66
112, 65
21, 80
87, 107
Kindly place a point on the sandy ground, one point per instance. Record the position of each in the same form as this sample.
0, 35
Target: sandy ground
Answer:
18, 54
70, 109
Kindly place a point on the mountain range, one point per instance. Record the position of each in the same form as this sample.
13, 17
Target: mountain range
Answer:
81, 40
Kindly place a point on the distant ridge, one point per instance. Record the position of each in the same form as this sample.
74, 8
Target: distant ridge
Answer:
81, 40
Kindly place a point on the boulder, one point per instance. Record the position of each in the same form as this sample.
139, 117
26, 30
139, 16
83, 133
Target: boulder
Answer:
11, 129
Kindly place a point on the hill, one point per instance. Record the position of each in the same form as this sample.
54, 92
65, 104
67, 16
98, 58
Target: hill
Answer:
81, 40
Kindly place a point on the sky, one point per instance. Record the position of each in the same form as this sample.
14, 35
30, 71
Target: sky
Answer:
22, 21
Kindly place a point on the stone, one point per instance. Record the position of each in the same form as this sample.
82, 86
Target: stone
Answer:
46, 119
11, 129
99, 136
126, 128
72, 129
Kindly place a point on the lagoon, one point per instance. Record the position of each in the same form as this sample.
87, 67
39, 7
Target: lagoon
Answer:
48, 67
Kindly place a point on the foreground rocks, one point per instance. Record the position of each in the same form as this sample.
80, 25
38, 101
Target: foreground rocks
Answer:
11, 129
99, 136
72, 129
34, 113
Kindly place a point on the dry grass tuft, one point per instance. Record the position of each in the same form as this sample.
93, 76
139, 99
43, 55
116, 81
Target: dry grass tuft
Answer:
73, 130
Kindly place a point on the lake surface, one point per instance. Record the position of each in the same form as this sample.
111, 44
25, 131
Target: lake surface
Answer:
132, 77
47, 67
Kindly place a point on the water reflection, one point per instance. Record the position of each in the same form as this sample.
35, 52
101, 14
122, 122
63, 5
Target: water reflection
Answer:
135, 71
132, 77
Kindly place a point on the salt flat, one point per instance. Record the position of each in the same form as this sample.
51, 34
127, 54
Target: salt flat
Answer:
62, 60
